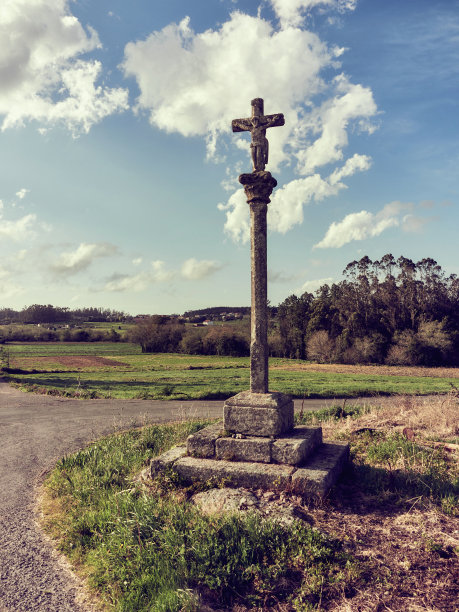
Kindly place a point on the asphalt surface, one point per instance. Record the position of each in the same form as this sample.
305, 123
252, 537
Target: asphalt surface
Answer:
35, 431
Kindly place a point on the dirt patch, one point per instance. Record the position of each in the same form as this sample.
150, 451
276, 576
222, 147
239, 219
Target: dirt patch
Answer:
379, 370
70, 361
410, 557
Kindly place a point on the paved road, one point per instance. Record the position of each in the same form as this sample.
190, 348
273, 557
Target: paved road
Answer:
35, 431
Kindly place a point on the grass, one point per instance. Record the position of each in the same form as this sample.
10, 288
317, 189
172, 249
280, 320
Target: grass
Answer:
388, 463
386, 538
120, 370
153, 552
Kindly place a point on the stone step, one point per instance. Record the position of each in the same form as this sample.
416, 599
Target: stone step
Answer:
292, 448
312, 479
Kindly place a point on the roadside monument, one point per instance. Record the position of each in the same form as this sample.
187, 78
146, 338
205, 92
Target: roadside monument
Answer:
257, 445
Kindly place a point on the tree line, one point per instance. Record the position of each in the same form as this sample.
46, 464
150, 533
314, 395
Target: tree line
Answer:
42, 313
389, 311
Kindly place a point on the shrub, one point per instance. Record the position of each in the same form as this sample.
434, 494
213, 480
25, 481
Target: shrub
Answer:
369, 349
431, 345
225, 341
191, 344
320, 347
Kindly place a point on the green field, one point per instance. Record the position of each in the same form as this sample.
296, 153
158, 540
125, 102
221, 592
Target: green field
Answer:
120, 370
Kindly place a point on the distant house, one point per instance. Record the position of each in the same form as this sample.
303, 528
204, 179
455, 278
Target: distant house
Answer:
208, 322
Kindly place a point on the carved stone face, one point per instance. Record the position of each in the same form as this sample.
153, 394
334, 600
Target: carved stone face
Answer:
255, 121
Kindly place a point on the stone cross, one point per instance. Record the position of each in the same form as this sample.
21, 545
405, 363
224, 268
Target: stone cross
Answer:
257, 125
258, 187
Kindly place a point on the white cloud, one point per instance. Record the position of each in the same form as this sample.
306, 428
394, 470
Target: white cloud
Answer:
312, 285
286, 208
192, 269
187, 79
124, 282
290, 11
21, 194
42, 75
331, 120
287, 203
353, 164
362, 225
414, 224
160, 274
237, 223
72, 262
21, 229
137, 261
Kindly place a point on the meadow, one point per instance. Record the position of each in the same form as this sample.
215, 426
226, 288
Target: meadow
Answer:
120, 370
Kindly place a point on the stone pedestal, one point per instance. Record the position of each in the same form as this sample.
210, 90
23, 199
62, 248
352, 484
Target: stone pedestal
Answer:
258, 414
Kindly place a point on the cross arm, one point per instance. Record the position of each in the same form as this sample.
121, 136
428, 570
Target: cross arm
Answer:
241, 125
274, 120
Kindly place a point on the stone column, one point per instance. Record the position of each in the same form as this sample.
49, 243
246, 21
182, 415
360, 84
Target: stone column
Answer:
258, 187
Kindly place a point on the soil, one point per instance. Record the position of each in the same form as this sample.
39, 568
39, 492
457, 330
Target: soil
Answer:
70, 361
380, 370
411, 555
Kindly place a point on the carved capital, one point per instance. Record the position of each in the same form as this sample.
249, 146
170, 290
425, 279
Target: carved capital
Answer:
258, 186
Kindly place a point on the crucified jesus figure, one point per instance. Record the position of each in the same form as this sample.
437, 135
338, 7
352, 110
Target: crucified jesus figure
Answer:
257, 125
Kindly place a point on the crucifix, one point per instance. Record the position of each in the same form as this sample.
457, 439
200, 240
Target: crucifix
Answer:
258, 187
257, 125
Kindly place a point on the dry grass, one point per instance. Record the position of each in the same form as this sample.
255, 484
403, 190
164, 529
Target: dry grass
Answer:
409, 547
430, 418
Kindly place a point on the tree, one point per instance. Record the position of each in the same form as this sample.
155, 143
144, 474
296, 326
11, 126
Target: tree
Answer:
320, 347
158, 334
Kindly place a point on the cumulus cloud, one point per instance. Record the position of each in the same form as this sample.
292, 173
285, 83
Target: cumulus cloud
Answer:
124, 282
185, 89
72, 262
288, 202
331, 120
362, 225
20, 229
192, 269
42, 73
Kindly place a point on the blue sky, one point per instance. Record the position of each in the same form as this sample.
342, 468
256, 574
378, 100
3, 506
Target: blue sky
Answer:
119, 169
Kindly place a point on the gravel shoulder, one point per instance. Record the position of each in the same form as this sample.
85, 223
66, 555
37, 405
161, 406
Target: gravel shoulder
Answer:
35, 431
